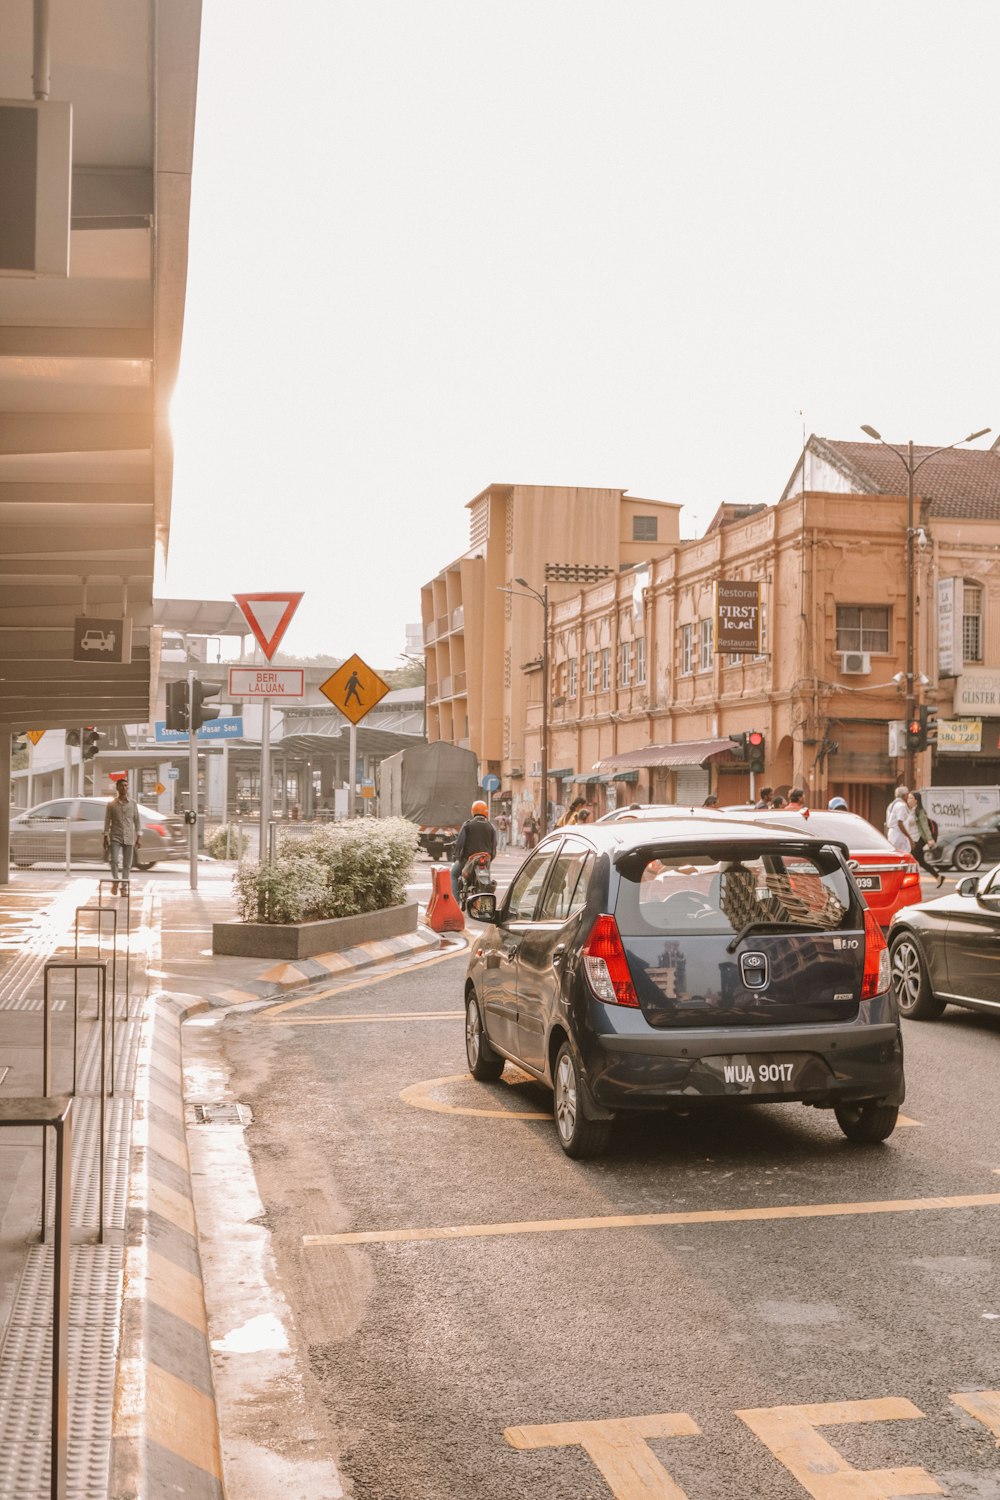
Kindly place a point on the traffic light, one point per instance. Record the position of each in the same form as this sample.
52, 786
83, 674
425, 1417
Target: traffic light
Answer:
90, 742
177, 706
755, 741
914, 731
740, 741
928, 726
72, 736
201, 712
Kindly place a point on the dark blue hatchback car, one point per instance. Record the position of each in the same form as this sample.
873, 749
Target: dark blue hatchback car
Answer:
663, 965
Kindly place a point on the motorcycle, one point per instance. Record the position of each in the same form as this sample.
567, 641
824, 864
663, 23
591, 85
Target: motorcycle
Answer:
476, 879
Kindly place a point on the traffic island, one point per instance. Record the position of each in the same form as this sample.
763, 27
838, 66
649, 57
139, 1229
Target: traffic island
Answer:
295, 940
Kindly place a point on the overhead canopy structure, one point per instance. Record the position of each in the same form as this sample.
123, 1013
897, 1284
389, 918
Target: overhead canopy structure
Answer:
654, 757
88, 361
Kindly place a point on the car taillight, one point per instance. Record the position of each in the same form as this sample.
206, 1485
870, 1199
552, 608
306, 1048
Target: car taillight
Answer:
909, 879
606, 966
876, 977
157, 828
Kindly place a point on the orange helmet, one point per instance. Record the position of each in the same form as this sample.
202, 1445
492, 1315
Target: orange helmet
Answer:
479, 807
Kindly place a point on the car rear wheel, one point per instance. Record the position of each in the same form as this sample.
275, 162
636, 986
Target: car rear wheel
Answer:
966, 857
578, 1136
868, 1121
911, 983
144, 864
484, 1064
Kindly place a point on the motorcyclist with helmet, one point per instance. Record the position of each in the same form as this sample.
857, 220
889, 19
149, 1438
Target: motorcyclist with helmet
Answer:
476, 836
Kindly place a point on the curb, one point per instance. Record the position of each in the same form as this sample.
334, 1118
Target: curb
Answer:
165, 1430
165, 1438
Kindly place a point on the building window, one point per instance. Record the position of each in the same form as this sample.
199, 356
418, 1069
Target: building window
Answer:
644, 528
705, 646
625, 652
591, 671
687, 651
571, 677
605, 669
763, 632
972, 622
862, 627
640, 660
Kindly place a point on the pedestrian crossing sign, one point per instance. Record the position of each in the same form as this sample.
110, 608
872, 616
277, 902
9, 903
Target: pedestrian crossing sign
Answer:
354, 688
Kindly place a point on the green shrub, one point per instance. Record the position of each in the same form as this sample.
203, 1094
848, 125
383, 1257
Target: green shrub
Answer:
221, 843
341, 870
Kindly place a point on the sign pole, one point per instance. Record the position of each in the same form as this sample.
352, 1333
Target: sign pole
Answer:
192, 786
352, 807
265, 778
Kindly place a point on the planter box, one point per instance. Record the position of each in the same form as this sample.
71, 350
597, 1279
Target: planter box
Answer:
305, 939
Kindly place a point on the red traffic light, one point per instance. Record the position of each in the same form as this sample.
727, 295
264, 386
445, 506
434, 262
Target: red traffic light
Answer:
755, 737
914, 726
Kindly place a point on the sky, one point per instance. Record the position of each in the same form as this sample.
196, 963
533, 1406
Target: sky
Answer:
645, 244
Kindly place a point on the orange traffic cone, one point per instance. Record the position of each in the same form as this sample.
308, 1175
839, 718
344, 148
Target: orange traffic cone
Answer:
443, 912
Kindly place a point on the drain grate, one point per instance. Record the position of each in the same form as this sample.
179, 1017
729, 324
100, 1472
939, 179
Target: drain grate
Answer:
223, 1114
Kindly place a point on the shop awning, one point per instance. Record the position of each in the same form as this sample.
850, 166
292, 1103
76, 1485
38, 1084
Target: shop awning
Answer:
654, 757
632, 776
590, 778
562, 774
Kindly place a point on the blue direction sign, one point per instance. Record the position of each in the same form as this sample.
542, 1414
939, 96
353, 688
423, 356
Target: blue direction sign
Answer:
216, 729
491, 783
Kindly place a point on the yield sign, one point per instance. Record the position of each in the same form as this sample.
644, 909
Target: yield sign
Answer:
268, 616
34, 735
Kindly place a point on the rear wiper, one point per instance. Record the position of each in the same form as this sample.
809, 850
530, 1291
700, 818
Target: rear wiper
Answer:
763, 926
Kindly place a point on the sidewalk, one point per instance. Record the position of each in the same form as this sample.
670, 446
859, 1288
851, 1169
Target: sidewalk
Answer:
141, 1410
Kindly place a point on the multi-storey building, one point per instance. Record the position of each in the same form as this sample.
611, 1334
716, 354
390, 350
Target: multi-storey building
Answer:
641, 696
483, 646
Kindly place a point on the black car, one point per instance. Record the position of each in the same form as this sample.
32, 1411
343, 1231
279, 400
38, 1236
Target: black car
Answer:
947, 952
662, 965
976, 843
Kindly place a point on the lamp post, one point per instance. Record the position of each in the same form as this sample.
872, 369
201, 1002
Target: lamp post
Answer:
906, 459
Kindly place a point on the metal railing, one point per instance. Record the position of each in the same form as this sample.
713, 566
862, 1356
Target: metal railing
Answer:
55, 1114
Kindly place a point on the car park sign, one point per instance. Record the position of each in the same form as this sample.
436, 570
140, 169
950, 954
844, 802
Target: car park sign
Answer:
102, 640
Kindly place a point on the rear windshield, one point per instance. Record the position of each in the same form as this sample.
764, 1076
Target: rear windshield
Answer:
691, 894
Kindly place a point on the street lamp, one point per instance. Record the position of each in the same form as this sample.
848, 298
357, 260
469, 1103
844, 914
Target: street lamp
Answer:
543, 599
906, 459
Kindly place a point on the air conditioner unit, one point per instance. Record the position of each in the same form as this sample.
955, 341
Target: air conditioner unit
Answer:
855, 663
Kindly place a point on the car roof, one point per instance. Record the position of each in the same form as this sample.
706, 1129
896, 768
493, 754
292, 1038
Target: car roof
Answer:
684, 827
845, 827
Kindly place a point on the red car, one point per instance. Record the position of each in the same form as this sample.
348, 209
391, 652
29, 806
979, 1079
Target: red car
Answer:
887, 879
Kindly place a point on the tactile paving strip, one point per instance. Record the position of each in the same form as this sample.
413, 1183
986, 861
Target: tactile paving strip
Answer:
96, 1273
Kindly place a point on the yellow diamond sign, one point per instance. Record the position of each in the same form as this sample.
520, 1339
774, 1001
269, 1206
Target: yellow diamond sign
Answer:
159, 789
354, 688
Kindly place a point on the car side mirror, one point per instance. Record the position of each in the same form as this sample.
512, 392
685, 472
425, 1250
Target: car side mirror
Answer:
969, 886
483, 908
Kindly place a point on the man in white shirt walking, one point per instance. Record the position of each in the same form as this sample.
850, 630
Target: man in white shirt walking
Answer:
895, 822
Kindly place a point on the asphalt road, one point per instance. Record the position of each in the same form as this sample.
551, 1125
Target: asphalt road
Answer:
526, 1355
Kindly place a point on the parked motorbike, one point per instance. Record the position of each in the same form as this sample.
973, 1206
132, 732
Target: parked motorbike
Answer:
475, 879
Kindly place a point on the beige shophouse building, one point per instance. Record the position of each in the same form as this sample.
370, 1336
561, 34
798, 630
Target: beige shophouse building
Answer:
641, 705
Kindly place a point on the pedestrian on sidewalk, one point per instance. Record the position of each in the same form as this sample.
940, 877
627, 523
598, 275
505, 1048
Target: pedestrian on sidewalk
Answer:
122, 835
921, 834
502, 825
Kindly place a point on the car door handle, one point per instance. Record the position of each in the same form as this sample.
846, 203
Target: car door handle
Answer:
558, 953
509, 952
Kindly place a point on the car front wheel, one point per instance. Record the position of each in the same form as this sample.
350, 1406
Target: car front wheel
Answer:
911, 983
868, 1121
967, 857
484, 1064
578, 1136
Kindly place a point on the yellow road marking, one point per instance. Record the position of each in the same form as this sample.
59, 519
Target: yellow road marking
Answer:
357, 984
418, 1094
386, 1015
655, 1221
618, 1448
984, 1406
790, 1433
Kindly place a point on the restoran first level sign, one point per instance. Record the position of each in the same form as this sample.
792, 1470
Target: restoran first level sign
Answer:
266, 682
